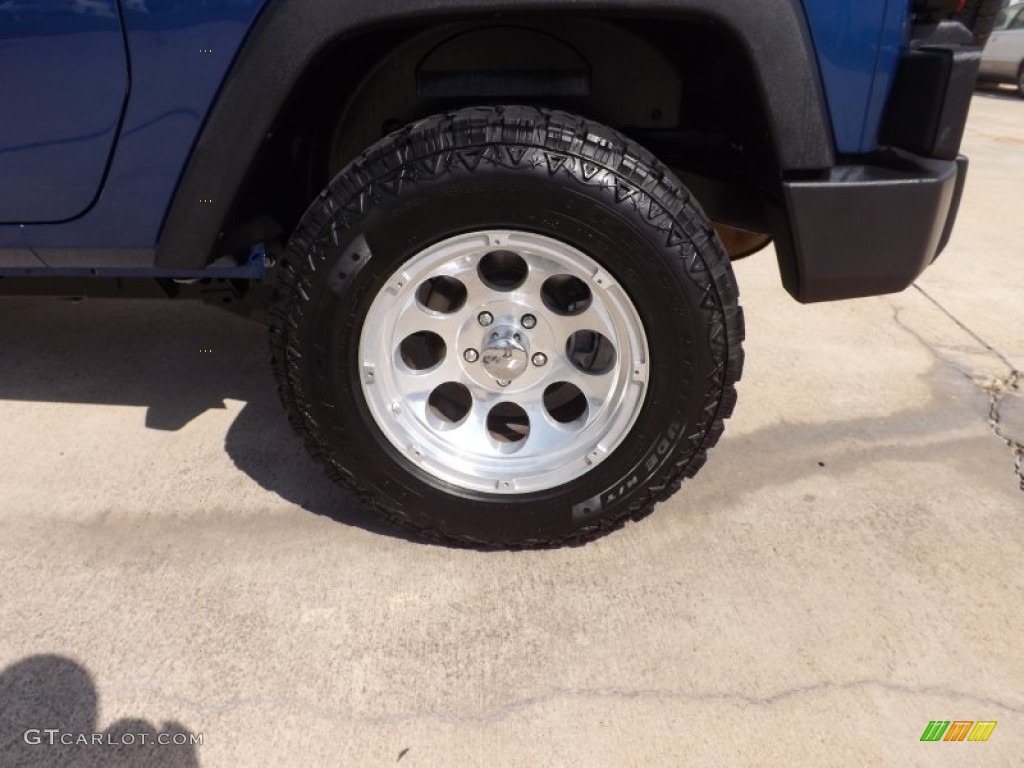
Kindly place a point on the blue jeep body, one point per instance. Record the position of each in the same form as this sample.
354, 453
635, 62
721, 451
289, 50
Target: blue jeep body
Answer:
132, 130
482, 233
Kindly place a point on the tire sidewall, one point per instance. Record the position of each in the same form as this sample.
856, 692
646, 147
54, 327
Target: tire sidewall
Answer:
678, 310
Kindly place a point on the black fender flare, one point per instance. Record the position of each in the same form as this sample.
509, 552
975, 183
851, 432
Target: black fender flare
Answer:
289, 34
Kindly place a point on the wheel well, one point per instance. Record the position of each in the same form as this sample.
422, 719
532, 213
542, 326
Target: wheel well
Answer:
685, 88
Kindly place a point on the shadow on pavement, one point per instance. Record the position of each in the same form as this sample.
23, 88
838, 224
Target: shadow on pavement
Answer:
177, 360
153, 355
54, 693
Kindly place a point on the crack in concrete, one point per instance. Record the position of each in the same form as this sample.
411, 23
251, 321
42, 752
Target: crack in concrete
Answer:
962, 326
996, 388
517, 706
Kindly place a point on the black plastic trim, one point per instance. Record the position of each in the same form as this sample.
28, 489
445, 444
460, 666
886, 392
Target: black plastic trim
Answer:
954, 207
936, 7
440, 85
289, 34
927, 110
253, 268
867, 229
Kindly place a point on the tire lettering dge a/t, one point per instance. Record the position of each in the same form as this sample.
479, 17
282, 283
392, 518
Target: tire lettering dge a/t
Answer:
655, 457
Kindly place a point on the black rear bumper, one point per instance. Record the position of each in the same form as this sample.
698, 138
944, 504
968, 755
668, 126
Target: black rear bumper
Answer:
868, 229
873, 225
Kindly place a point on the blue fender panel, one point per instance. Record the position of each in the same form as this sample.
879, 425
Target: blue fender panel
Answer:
290, 33
858, 43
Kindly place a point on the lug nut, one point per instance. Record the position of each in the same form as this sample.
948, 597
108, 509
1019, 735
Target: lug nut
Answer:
485, 318
471, 355
540, 359
529, 321
503, 382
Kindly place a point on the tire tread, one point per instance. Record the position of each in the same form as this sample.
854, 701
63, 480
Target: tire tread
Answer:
469, 137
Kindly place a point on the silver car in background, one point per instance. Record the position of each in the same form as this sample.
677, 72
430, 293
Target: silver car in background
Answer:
1003, 58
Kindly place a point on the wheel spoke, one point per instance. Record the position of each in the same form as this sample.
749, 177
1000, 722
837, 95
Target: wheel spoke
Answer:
545, 435
595, 387
414, 319
476, 292
416, 387
541, 269
591, 319
471, 435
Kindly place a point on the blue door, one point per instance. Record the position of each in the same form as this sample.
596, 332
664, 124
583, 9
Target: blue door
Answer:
63, 85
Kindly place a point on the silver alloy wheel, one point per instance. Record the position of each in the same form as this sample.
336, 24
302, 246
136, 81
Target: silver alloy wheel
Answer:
503, 361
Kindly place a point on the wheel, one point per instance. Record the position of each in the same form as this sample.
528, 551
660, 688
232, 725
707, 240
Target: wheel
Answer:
507, 327
1020, 80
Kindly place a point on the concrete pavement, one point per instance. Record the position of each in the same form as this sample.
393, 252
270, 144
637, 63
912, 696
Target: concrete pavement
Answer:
846, 568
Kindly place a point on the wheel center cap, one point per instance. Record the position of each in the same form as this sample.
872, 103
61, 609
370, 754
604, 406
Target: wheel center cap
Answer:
505, 354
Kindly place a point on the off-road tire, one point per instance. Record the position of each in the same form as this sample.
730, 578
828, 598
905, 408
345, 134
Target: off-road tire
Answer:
543, 171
